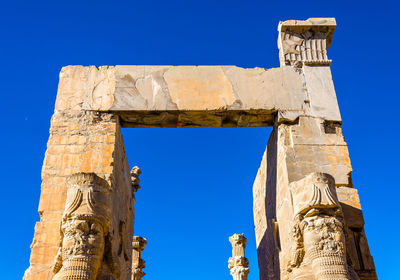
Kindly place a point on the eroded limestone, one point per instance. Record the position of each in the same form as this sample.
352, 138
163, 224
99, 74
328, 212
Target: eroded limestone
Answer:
181, 96
306, 145
238, 264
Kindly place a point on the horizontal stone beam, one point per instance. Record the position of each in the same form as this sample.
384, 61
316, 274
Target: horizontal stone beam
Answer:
191, 96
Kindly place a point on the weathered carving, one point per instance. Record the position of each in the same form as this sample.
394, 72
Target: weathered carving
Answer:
85, 230
306, 42
238, 263
138, 264
318, 232
135, 173
93, 103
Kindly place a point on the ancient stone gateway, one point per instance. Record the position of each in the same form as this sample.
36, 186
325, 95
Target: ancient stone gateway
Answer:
307, 214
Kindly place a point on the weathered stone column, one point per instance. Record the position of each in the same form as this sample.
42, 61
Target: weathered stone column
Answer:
138, 264
238, 263
299, 147
84, 138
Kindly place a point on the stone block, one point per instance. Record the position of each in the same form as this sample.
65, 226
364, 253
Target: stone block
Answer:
176, 95
319, 84
351, 206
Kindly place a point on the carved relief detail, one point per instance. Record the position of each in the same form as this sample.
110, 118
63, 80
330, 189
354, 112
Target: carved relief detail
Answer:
138, 264
135, 173
238, 263
318, 231
306, 42
85, 230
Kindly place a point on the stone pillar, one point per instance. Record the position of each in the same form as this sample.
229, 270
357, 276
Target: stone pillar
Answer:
294, 151
298, 150
138, 264
238, 263
83, 139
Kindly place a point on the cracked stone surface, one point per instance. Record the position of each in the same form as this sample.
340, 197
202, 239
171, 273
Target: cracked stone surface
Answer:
179, 96
298, 99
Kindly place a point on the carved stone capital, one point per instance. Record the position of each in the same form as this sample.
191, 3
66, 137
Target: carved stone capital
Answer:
239, 273
138, 243
238, 261
135, 173
318, 232
305, 41
138, 264
238, 242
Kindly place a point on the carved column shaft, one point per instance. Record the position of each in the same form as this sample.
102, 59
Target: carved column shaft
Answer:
238, 263
138, 243
138, 264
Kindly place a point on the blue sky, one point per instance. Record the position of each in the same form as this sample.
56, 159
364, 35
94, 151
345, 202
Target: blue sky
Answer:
196, 182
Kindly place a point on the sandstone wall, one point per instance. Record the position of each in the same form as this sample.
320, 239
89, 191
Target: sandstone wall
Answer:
301, 144
264, 213
123, 210
310, 145
81, 141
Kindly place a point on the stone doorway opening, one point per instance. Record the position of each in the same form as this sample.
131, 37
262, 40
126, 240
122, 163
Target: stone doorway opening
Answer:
196, 191
307, 156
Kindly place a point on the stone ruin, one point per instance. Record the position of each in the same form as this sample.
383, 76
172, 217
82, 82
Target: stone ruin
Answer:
307, 214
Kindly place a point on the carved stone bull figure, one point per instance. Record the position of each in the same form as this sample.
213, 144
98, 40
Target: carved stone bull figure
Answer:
85, 230
319, 249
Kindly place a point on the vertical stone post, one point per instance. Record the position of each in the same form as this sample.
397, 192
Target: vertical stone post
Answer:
138, 264
306, 157
84, 138
238, 263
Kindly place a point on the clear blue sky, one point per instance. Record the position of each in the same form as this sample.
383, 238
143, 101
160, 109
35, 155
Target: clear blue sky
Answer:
196, 182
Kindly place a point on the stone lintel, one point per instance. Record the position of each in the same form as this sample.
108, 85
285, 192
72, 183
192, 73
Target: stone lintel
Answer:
198, 96
211, 118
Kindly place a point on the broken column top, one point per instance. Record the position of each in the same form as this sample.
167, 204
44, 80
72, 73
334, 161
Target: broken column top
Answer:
305, 41
139, 242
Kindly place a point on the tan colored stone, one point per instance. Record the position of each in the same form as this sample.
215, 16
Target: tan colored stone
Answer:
305, 41
85, 240
189, 89
298, 99
93, 144
238, 263
208, 88
294, 151
351, 207
138, 264
85, 88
